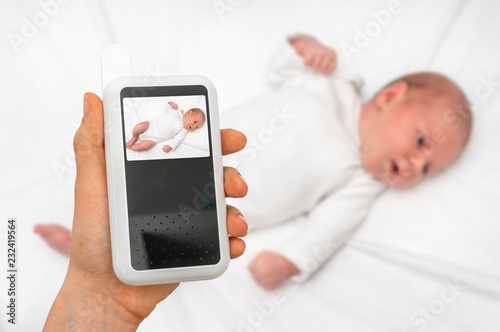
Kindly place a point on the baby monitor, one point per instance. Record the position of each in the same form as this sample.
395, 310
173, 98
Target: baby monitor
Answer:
164, 173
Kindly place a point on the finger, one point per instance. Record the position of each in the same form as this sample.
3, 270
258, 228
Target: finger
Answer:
236, 247
236, 224
309, 58
332, 67
232, 141
234, 184
325, 64
90, 184
333, 63
329, 59
318, 59
89, 138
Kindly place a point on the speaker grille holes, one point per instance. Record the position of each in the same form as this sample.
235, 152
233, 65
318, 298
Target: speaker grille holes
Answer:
181, 237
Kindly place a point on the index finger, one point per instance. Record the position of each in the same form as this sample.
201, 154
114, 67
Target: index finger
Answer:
232, 141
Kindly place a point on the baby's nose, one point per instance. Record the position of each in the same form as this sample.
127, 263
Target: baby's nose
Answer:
418, 161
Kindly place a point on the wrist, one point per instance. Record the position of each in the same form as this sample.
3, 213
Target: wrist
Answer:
83, 304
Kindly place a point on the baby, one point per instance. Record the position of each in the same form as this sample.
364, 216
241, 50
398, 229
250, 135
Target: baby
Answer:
326, 157
171, 127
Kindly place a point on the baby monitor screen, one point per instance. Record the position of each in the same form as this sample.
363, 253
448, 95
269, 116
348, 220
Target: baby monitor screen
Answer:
165, 127
169, 175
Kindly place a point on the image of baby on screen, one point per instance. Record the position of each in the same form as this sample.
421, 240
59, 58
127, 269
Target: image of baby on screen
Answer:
170, 128
165, 127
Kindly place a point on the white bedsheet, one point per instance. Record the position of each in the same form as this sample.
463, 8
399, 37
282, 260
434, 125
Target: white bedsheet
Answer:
426, 259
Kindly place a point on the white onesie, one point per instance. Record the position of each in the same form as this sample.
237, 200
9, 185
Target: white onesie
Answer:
168, 126
303, 158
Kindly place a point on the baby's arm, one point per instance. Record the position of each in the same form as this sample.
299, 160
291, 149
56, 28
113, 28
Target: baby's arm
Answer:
173, 143
316, 55
327, 228
173, 105
296, 59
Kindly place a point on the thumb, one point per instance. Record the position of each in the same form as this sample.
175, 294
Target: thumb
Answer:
88, 144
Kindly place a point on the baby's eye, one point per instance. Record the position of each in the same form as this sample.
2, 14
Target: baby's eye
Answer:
420, 140
194, 121
425, 169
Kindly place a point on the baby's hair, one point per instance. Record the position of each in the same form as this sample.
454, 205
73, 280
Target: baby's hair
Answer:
199, 112
427, 87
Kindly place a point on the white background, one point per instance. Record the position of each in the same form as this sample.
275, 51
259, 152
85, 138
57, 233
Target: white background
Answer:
398, 262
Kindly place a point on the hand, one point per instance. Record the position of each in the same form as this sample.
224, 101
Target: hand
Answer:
173, 105
270, 269
316, 55
167, 148
92, 297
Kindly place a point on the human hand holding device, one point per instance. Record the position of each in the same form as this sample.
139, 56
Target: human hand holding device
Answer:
167, 211
316, 55
92, 297
270, 269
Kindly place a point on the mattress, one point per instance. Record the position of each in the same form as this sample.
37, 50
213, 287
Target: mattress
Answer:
426, 259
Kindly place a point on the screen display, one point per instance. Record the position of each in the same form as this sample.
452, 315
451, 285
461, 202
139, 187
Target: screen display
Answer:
170, 178
165, 127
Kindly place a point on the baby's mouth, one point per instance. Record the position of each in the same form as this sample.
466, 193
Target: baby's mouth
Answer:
393, 168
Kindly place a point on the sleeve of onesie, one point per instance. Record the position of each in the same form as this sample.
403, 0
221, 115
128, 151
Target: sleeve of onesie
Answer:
287, 69
177, 139
285, 65
330, 224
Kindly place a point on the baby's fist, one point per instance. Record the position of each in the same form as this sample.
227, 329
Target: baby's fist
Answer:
270, 269
167, 148
173, 105
316, 55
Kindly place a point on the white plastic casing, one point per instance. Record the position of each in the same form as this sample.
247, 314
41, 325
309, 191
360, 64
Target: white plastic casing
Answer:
117, 193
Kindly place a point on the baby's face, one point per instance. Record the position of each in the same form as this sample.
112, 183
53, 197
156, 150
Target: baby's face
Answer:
192, 120
406, 142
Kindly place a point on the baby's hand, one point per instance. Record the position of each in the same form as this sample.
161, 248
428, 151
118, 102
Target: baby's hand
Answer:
316, 55
173, 105
167, 148
270, 270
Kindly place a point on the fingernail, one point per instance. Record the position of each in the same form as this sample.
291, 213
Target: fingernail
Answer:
239, 215
86, 106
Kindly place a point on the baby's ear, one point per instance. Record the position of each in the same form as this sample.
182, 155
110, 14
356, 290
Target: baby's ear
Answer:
189, 112
391, 93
